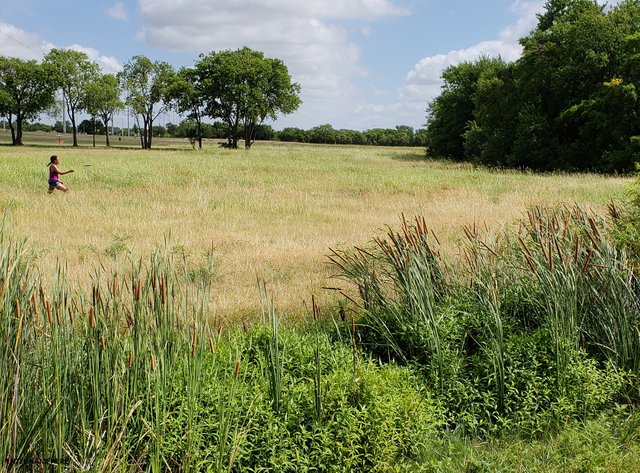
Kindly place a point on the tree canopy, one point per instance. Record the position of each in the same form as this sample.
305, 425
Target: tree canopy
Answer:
147, 87
73, 72
26, 89
570, 102
243, 87
103, 99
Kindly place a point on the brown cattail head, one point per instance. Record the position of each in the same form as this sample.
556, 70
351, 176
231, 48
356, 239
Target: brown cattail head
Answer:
102, 343
58, 315
130, 363
163, 290
212, 347
245, 325
34, 302
92, 317
114, 286
194, 344
237, 368
153, 363
587, 261
17, 305
48, 307
137, 291
314, 306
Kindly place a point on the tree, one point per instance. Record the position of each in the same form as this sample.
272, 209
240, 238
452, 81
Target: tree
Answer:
74, 71
147, 86
325, 134
293, 134
103, 100
242, 87
451, 112
190, 99
26, 89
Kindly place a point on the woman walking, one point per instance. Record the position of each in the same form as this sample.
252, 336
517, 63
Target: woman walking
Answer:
54, 175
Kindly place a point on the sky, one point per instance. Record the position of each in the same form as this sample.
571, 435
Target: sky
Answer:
361, 64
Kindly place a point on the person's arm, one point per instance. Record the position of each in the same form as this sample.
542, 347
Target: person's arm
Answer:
67, 172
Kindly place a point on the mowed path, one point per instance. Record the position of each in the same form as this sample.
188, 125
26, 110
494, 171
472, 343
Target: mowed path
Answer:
270, 213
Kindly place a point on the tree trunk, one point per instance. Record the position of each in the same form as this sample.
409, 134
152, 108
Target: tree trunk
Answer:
149, 134
18, 139
13, 130
105, 119
73, 126
249, 133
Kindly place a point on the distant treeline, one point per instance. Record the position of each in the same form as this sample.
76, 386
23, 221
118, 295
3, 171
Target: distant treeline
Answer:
570, 102
325, 134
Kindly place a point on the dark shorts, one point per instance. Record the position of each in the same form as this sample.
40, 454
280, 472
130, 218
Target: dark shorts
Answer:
53, 184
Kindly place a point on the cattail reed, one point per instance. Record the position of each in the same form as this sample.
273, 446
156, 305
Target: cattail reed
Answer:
19, 332
314, 306
58, 315
211, 345
137, 292
34, 303
153, 364
48, 308
102, 343
114, 286
92, 318
586, 262
163, 290
237, 373
130, 362
194, 344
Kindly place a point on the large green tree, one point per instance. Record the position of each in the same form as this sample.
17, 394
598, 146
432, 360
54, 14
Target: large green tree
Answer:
103, 99
148, 89
26, 90
244, 88
451, 113
190, 99
570, 101
74, 71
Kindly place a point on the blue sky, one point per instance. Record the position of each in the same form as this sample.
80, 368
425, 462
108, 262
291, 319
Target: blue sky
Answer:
361, 63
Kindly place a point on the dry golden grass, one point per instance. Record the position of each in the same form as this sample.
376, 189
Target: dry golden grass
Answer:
270, 213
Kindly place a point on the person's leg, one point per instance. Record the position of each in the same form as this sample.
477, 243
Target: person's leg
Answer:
61, 187
51, 189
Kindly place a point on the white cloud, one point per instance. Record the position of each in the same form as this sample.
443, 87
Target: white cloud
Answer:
424, 81
117, 12
108, 64
305, 35
15, 42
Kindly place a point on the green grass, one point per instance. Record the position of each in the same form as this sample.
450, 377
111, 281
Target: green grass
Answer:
117, 356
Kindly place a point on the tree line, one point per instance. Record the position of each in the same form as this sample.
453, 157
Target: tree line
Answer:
569, 103
242, 88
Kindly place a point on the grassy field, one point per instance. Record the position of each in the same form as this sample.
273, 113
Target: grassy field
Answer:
271, 213
525, 358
